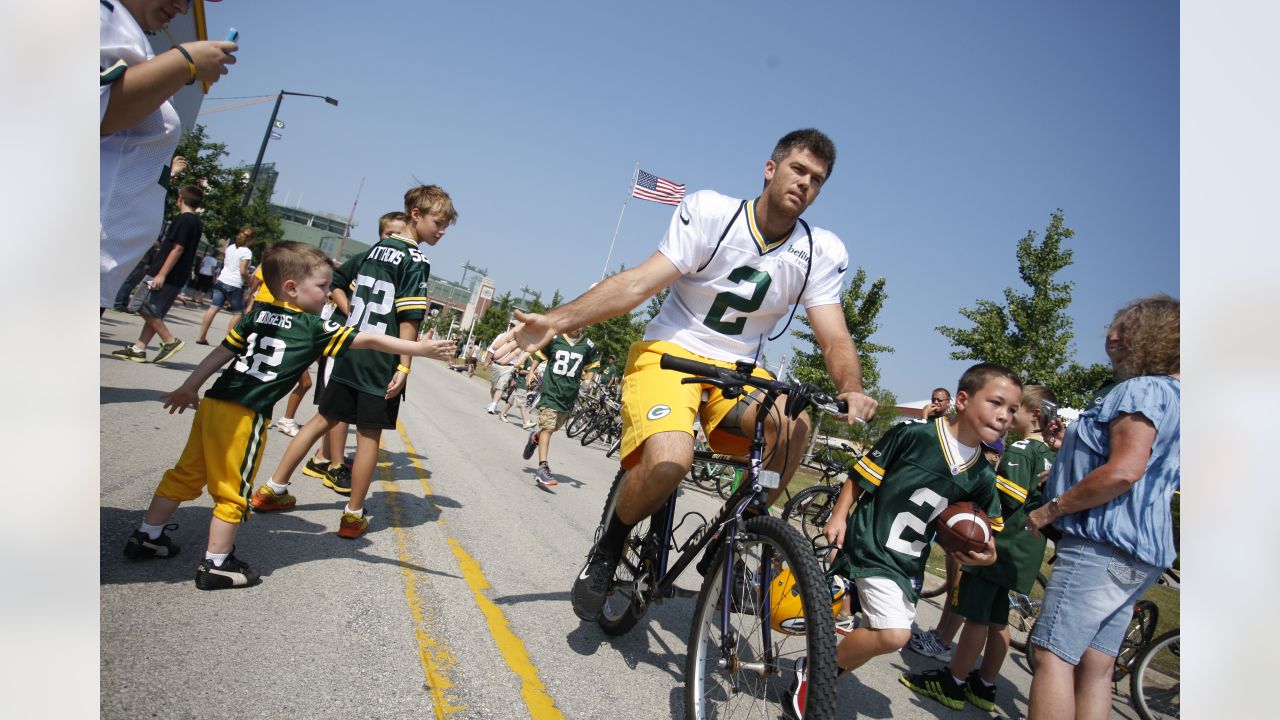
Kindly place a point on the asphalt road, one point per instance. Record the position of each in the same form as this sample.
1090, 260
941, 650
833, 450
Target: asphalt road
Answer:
455, 604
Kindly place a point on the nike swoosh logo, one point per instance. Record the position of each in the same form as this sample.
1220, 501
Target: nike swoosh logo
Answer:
584, 574
684, 219
846, 267
1012, 464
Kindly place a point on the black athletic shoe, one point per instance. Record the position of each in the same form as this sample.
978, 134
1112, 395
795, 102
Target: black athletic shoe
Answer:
233, 573
939, 685
141, 547
530, 444
592, 583
982, 695
338, 479
315, 469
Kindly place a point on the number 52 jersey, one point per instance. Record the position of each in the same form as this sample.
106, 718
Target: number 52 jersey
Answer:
735, 285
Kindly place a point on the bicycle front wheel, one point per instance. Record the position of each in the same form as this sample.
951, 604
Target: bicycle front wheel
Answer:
750, 671
1155, 686
810, 510
1023, 610
1142, 627
577, 422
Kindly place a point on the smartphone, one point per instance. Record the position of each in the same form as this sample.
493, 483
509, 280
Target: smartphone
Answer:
233, 35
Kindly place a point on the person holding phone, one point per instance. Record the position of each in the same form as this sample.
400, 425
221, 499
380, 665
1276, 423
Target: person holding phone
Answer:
139, 127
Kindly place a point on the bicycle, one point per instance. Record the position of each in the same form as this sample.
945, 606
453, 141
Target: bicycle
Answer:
1155, 684
763, 605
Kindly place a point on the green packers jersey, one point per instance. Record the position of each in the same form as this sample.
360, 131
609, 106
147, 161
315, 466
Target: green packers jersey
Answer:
522, 379
566, 361
274, 344
1018, 484
907, 479
608, 374
386, 287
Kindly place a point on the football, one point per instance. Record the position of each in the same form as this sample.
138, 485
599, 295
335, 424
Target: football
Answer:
962, 526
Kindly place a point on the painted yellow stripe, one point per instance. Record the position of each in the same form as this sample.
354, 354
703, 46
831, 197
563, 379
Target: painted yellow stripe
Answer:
433, 655
541, 706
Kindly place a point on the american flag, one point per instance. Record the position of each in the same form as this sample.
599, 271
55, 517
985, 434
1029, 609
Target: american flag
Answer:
660, 190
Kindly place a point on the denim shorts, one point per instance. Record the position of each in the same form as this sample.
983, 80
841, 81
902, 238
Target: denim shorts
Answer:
1090, 597
223, 292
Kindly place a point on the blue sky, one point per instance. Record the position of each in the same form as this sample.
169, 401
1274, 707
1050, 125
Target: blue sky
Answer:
960, 126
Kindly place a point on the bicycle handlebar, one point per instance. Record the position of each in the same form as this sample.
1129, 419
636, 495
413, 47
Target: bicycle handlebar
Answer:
721, 377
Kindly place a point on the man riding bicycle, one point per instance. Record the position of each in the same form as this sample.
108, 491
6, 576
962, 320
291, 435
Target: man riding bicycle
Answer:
735, 267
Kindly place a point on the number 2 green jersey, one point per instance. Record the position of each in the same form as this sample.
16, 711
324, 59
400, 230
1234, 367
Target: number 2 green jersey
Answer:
1019, 554
274, 344
907, 479
387, 286
566, 361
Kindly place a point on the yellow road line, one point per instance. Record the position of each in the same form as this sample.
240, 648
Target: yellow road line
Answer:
432, 654
541, 706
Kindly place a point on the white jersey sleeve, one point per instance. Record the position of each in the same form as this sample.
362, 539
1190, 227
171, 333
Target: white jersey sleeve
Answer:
826, 279
692, 234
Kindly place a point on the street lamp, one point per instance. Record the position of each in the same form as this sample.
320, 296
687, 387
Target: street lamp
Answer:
253, 177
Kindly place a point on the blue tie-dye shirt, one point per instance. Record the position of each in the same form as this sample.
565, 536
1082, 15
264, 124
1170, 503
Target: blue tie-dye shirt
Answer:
1138, 521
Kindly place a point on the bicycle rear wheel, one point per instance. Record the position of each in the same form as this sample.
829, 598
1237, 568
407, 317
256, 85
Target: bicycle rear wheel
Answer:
749, 672
1142, 627
625, 603
578, 422
1155, 685
1023, 610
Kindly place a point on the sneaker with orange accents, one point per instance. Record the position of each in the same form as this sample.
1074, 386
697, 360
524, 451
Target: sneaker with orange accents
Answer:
266, 500
352, 525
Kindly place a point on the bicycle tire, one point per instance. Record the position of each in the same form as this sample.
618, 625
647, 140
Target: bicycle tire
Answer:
577, 423
715, 692
1155, 683
613, 447
942, 587
623, 607
1022, 614
1142, 627
590, 434
809, 510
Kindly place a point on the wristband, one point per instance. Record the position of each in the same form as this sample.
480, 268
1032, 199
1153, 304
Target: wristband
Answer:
403, 369
191, 64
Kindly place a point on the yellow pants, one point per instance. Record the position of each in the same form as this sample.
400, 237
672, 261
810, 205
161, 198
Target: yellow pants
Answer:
223, 453
654, 400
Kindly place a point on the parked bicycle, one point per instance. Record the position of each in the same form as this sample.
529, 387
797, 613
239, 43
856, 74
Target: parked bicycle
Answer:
764, 603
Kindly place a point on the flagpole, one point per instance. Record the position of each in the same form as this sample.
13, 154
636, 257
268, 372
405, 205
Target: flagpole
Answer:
634, 173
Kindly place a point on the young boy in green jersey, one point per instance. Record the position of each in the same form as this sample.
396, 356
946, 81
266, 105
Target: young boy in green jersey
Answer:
388, 293
982, 596
900, 486
566, 358
271, 347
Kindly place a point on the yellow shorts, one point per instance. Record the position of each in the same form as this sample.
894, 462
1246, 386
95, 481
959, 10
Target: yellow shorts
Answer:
223, 453
654, 401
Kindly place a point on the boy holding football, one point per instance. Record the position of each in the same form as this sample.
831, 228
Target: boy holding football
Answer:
982, 597
900, 486
271, 347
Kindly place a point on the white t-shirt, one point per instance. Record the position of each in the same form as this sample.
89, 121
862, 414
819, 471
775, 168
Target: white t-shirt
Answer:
734, 291
207, 264
133, 162
230, 274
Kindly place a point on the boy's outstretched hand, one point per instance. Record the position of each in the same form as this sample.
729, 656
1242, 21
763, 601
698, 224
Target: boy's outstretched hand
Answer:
437, 349
181, 399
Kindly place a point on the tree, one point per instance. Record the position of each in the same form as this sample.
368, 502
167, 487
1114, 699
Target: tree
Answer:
494, 320
224, 189
1031, 333
557, 299
860, 304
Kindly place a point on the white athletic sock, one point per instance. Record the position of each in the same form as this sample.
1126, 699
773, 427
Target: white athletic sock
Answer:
277, 489
152, 531
357, 513
217, 558
959, 681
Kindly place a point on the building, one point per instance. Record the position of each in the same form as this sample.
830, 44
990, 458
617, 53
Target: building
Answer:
322, 229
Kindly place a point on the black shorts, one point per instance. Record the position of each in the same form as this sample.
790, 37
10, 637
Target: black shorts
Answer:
203, 283
156, 304
323, 368
349, 405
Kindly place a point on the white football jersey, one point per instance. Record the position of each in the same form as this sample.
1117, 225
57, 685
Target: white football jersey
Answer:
735, 286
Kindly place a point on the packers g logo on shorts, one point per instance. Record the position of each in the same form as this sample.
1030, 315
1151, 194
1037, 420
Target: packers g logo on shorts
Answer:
657, 412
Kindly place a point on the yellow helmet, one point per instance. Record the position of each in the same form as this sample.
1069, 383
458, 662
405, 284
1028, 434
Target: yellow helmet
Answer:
787, 609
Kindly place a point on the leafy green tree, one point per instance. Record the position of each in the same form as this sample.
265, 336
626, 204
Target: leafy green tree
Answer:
655, 304
442, 321
861, 304
556, 299
224, 191
1030, 332
494, 320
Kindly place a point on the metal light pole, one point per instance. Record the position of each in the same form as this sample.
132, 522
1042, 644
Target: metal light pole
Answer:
253, 176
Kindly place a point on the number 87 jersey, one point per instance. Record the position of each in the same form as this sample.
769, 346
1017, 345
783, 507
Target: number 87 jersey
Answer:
735, 284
